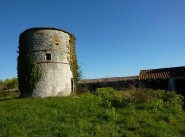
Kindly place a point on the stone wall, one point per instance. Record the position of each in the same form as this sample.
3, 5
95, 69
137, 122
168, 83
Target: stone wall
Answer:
118, 83
50, 49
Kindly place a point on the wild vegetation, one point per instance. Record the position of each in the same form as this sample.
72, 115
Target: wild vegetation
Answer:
8, 84
74, 62
8, 89
133, 113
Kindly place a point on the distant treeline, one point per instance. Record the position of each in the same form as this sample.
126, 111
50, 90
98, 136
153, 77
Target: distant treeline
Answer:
8, 84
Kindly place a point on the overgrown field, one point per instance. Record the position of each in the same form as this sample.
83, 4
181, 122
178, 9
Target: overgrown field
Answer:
133, 113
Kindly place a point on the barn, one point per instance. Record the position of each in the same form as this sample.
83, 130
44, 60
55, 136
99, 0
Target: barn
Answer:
172, 79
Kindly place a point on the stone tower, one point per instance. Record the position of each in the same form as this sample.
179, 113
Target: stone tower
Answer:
44, 62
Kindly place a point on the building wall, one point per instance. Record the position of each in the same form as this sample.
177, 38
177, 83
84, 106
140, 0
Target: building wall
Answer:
168, 84
177, 84
50, 49
118, 85
155, 84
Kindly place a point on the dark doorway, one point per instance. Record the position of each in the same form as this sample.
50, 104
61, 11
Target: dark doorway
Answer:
180, 86
72, 84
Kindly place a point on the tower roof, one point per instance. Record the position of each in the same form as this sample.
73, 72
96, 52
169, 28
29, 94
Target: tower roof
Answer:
47, 28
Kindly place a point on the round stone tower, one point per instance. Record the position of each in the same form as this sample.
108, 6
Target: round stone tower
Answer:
44, 62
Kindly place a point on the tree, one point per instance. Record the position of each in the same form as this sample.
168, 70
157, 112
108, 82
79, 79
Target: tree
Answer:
10, 83
1, 85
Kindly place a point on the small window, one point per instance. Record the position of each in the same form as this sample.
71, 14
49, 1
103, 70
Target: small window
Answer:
48, 57
57, 43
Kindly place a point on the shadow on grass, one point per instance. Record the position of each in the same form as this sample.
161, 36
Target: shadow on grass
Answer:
9, 95
9, 98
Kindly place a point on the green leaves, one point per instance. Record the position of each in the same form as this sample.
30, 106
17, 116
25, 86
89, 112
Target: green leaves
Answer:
74, 62
35, 75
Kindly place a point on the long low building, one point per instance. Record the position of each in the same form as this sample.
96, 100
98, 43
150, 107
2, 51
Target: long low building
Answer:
172, 79
119, 83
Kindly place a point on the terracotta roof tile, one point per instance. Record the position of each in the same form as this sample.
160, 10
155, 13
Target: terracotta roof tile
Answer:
162, 73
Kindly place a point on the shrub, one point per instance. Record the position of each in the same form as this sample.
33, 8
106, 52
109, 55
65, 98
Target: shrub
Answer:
11, 83
8, 84
133, 96
174, 102
107, 93
153, 99
2, 87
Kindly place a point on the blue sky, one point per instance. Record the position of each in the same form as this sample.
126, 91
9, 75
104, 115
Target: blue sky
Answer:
114, 37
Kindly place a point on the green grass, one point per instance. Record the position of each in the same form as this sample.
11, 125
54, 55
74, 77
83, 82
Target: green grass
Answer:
134, 113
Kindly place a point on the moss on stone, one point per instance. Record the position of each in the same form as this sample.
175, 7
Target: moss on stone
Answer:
73, 61
28, 70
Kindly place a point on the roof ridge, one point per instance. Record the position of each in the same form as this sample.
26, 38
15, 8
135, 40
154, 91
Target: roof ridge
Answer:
43, 28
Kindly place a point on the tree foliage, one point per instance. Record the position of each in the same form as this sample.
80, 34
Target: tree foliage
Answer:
8, 84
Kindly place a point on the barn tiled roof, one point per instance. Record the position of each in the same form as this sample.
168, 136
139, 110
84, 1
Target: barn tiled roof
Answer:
112, 79
162, 73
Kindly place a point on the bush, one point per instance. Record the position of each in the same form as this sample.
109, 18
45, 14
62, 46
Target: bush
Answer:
8, 89
174, 102
107, 93
155, 98
2, 87
108, 96
135, 96
8, 84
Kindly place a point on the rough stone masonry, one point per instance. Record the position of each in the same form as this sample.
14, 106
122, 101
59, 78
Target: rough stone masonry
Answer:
44, 52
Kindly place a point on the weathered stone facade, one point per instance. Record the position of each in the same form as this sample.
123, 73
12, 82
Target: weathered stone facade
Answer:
50, 49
